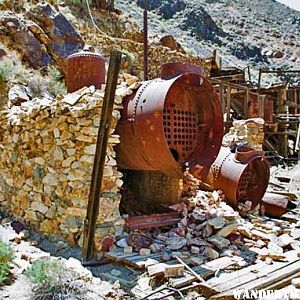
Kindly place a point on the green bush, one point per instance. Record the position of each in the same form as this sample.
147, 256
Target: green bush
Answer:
6, 255
4, 71
53, 281
41, 271
80, 3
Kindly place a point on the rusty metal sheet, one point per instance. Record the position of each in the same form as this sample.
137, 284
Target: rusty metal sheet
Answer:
167, 124
174, 69
152, 221
85, 69
274, 205
242, 176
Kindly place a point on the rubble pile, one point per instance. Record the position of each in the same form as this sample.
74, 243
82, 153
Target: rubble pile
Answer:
249, 131
211, 229
46, 160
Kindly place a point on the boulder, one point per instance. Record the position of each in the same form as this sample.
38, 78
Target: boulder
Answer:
170, 42
17, 95
23, 40
61, 37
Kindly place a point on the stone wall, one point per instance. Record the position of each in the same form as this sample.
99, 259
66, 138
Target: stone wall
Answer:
249, 131
46, 159
158, 55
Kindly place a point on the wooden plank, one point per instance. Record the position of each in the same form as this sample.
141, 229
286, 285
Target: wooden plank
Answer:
188, 278
100, 156
283, 283
266, 280
235, 279
118, 256
206, 270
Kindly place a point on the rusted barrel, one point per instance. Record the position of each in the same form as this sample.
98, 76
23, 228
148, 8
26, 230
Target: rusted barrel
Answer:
167, 124
174, 69
85, 69
243, 176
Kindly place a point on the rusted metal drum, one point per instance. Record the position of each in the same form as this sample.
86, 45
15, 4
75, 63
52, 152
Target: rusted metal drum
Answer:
174, 69
268, 110
168, 124
243, 176
85, 69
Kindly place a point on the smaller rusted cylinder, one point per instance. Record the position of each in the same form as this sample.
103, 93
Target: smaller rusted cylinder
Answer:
174, 69
85, 69
243, 176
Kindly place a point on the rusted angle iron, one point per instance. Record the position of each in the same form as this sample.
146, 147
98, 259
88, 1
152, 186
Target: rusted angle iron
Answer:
152, 221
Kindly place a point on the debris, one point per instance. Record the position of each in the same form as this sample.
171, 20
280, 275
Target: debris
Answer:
217, 223
139, 241
296, 283
145, 252
219, 241
128, 249
174, 270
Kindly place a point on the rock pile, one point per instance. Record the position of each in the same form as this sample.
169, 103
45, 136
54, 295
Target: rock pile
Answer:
46, 160
211, 229
249, 131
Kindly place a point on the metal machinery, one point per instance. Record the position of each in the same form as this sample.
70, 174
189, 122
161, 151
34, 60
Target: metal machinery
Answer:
169, 124
174, 69
242, 175
85, 69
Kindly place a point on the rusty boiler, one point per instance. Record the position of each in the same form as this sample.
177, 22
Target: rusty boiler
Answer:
174, 69
242, 175
85, 69
168, 124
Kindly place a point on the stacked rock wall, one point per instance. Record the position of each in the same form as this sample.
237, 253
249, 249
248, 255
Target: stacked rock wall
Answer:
158, 55
46, 159
249, 131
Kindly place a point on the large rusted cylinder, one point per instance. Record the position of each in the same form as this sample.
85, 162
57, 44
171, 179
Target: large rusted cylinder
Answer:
174, 69
242, 176
167, 124
85, 69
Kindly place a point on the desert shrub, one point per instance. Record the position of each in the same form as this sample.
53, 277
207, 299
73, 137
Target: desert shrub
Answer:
5, 69
6, 255
53, 281
13, 71
80, 3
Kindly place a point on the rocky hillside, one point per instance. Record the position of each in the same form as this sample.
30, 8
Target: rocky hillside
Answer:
259, 33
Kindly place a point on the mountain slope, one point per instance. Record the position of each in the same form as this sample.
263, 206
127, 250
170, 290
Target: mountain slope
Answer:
260, 33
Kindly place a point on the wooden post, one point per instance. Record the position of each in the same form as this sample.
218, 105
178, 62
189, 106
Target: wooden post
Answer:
221, 92
246, 102
99, 160
228, 103
261, 106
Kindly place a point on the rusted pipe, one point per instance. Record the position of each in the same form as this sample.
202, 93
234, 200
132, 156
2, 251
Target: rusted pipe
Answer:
146, 40
242, 176
169, 124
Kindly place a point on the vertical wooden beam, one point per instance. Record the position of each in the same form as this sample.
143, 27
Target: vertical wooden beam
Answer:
99, 160
259, 79
261, 106
221, 92
228, 103
246, 102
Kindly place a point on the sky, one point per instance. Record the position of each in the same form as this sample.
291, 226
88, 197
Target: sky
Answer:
291, 3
